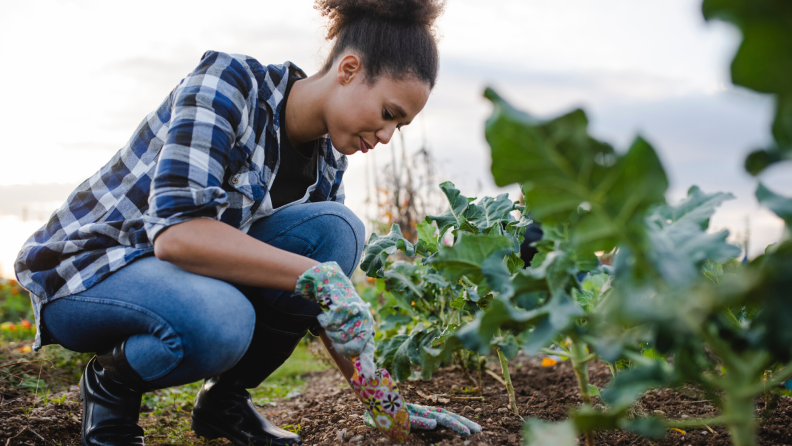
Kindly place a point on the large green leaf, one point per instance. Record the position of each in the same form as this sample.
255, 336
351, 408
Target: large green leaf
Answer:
377, 250
697, 207
427, 240
762, 63
403, 282
490, 212
466, 257
781, 206
567, 174
679, 243
455, 215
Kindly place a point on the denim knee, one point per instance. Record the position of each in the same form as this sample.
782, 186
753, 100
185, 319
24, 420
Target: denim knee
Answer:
347, 232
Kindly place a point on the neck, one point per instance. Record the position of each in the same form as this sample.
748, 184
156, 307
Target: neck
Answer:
304, 117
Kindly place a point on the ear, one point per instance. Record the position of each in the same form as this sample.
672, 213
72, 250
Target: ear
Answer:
349, 67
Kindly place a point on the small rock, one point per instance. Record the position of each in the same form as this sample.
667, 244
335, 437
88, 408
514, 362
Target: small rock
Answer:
478, 410
74, 389
356, 438
512, 438
341, 434
489, 420
708, 407
467, 409
658, 411
466, 443
50, 413
704, 433
685, 416
503, 410
382, 440
454, 387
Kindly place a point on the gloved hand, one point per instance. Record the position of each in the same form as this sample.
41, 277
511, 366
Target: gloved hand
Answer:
384, 404
346, 318
428, 417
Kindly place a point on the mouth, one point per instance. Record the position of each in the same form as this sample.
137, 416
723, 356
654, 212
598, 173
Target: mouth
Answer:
364, 146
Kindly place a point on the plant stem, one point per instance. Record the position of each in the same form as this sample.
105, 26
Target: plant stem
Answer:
579, 360
743, 423
506, 377
464, 368
612, 368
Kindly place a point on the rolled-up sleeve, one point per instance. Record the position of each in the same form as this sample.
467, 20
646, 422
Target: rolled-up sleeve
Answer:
210, 111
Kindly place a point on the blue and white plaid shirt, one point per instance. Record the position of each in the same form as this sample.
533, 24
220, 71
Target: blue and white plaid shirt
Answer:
209, 151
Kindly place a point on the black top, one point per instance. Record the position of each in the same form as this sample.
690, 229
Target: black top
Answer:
297, 171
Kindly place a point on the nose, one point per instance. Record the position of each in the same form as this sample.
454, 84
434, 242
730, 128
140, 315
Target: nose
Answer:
384, 134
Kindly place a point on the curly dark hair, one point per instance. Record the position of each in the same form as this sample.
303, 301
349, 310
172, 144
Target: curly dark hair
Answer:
392, 37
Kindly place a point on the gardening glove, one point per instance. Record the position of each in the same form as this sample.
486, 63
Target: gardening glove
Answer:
345, 317
384, 404
428, 417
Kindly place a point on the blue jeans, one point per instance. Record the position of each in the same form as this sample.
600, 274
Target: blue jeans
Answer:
181, 327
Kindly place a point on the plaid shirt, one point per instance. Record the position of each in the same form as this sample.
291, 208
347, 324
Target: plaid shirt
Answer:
209, 151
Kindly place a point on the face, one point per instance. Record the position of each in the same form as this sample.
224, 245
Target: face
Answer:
360, 115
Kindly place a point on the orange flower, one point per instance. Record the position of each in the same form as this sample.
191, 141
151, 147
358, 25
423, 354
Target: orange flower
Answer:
14, 291
7, 326
548, 362
25, 323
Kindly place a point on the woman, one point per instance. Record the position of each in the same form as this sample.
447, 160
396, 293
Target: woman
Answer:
201, 248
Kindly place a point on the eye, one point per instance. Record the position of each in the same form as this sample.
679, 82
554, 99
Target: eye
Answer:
386, 114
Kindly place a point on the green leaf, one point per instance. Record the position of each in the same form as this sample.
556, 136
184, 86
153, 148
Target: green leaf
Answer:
593, 390
542, 433
465, 258
427, 240
679, 243
454, 217
403, 282
762, 63
697, 207
377, 250
563, 170
490, 212
781, 206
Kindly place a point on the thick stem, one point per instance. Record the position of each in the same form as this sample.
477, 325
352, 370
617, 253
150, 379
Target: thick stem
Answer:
579, 360
506, 377
742, 427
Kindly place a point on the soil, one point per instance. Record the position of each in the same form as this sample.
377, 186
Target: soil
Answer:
329, 414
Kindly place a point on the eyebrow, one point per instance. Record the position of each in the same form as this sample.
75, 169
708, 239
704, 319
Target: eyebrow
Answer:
400, 111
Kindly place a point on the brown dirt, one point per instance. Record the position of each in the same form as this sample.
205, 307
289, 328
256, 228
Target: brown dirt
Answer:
327, 407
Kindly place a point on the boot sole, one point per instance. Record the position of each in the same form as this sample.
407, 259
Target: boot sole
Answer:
202, 429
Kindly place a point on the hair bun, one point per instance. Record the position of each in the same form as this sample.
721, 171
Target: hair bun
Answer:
409, 12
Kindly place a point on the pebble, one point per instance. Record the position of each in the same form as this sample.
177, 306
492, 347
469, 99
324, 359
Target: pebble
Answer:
512, 438
356, 438
478, 409
659, 411
50, 413
503, 410
685, 416
489, 420
467, 409
340, 434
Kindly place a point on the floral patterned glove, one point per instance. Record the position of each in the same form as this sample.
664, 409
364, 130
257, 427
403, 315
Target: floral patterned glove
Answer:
346, 318
384, 404
428, 417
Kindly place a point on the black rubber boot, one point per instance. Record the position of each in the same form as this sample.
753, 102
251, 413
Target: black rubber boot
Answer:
223, 407
111, 391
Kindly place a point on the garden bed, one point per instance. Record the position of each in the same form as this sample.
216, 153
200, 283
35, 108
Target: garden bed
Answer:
326, 412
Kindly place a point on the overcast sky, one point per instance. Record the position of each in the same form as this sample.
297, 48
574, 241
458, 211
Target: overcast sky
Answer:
80, 75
